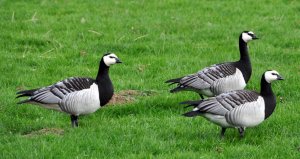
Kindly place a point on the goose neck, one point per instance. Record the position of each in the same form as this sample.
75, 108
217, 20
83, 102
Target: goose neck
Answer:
244, 64
103, 72
269, 98
244, 55
265, 88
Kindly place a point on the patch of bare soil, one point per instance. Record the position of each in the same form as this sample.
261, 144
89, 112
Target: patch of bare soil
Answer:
128, 96
45, 131
21, 87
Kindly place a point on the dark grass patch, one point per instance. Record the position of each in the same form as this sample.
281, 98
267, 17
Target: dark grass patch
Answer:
128, 96
45, 131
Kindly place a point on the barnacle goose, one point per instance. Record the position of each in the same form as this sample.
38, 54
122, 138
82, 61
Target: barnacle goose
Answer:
76, 95
240, 108
219, 78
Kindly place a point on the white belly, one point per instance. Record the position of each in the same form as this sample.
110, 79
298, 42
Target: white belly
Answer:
217, 119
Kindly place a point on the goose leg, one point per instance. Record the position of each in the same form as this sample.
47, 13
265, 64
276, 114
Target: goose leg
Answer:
241, 131
222, 132
74, 120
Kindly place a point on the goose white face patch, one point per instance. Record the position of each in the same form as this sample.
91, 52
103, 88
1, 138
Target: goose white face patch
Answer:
250, 32
271, 76
110, 59
246, 37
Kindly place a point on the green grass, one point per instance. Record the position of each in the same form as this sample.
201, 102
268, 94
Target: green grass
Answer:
42, 42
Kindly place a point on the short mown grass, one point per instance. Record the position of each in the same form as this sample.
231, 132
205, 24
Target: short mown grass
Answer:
43, 42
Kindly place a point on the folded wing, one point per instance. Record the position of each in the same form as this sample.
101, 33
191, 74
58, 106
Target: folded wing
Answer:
205, 78
54, 93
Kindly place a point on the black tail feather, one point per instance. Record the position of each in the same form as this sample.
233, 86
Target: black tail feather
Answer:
177, 89
191, 114
191, 103
25, 93
173, 81
22, 95
189, 106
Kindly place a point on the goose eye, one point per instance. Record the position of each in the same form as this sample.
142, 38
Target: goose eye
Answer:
111, 57
274, 74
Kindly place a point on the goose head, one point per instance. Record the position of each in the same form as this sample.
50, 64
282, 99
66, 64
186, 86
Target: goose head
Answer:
272, 75
110, 59
248, 36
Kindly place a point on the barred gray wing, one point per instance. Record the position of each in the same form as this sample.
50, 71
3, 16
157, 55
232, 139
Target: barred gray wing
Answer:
54, 93
226, 102
205, 78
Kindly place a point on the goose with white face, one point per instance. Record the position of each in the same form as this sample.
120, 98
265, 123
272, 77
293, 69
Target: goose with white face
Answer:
272, 76
110, 59
248, 36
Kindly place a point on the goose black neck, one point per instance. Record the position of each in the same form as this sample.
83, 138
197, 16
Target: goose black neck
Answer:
104, 83
269, 98
244, 63
265, 87
102, 72
244, 55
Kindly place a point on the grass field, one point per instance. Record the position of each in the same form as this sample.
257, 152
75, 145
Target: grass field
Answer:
42, 42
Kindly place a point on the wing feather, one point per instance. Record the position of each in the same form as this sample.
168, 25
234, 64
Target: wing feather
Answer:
205, 78
226, 102
54, 93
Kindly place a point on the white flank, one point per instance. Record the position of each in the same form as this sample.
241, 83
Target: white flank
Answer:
247, 115
217, 119
229, 83
85, 101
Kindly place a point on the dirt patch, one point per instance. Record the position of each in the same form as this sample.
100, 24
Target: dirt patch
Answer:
142, 68
82, 53
19, 88
281, 99
45, 131
219, 149
128, 96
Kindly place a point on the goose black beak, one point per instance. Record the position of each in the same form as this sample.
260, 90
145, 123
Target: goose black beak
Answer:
254, 37
279, 77
118, 60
